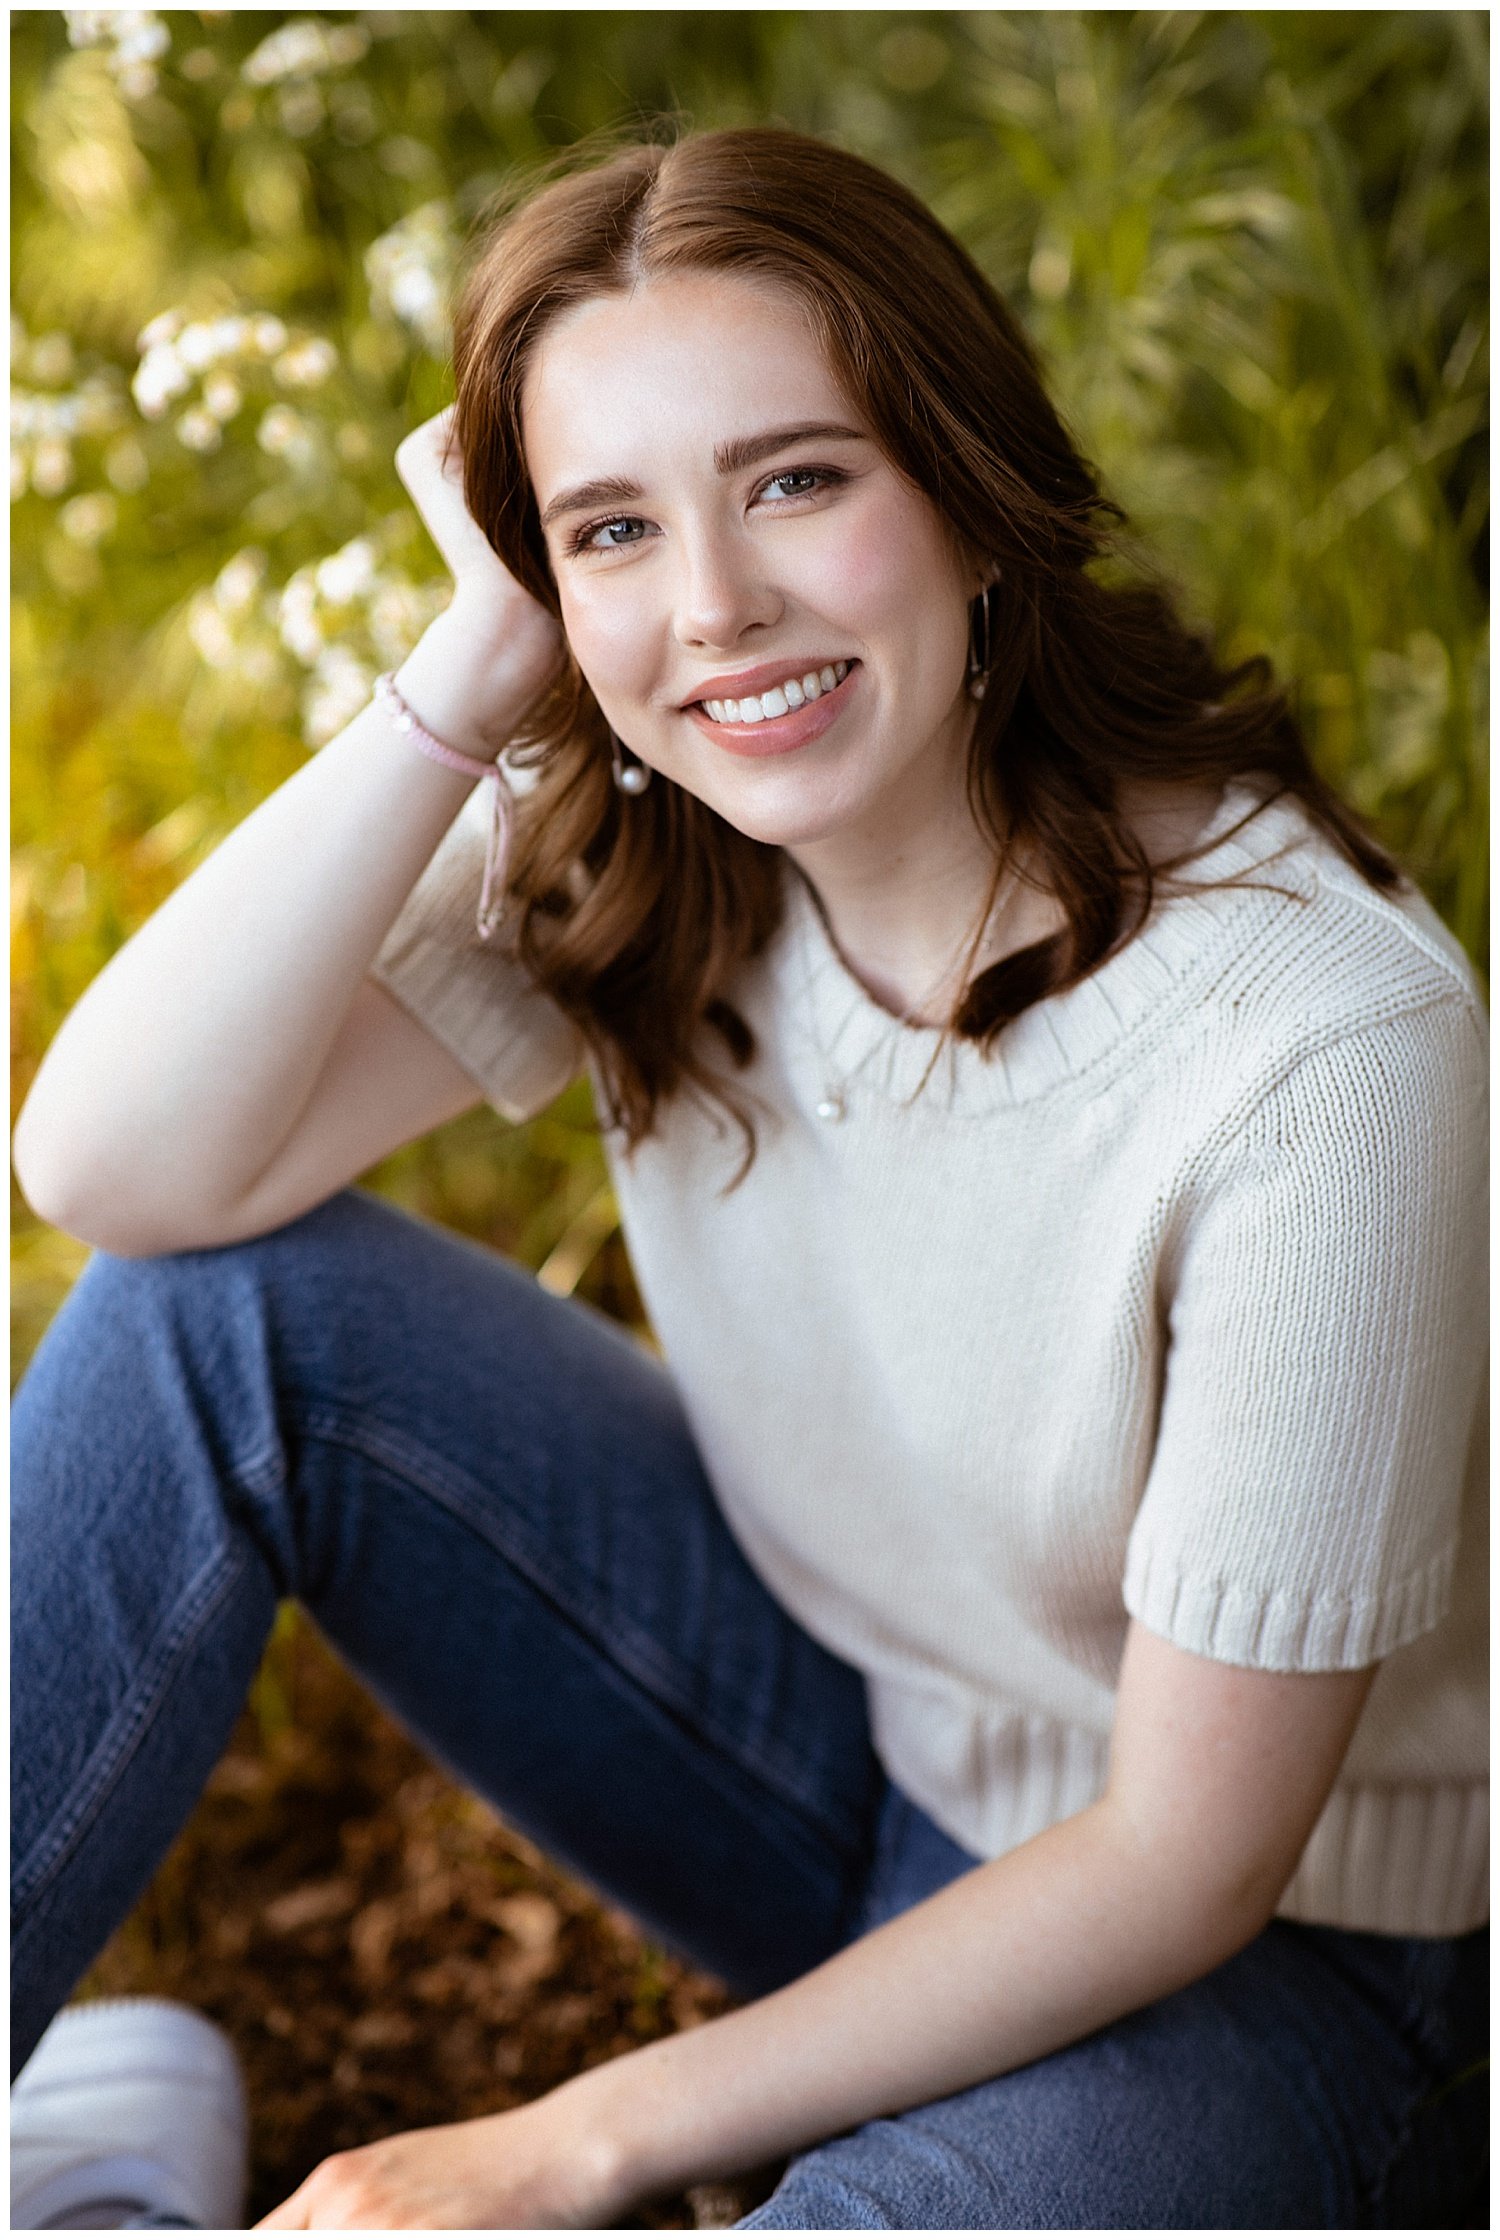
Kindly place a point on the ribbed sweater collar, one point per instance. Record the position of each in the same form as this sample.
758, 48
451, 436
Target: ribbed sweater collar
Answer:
845, 1035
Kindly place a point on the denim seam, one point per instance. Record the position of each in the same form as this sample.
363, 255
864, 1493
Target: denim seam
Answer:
52, 1853
644, 1668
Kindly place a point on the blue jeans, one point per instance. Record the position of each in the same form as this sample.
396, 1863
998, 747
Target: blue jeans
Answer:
491, 1503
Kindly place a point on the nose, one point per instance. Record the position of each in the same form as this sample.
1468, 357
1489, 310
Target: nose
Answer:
722, 591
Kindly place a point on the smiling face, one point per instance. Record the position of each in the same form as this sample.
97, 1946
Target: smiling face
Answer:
766, 611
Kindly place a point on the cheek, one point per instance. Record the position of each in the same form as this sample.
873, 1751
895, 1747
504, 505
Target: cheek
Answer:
890, 570
606, 633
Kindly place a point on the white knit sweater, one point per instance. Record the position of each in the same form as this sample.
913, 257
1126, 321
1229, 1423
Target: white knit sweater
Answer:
1174, 1308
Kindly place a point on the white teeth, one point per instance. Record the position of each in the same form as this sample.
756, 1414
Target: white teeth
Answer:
768, 705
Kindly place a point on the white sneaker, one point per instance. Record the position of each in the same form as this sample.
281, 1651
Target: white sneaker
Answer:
130, 2112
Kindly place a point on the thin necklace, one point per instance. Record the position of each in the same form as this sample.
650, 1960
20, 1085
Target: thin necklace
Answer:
833, 1105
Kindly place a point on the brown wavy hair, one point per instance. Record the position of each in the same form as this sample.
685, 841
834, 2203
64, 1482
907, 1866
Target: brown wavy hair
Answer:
636, 914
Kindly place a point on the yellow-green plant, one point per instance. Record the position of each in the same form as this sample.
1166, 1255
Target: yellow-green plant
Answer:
1250, 247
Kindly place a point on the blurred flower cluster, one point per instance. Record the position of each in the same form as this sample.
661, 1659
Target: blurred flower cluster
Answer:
410, 271
292, 61
133, 41
58, 402
341, 620
214, 363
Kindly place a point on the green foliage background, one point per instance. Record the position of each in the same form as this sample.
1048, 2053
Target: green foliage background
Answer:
1250, 245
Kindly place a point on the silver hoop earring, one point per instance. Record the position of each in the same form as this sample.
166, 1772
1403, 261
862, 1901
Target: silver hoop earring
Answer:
630, 777
979, 644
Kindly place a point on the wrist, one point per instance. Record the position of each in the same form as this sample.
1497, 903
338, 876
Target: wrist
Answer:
610, 2138
472, 693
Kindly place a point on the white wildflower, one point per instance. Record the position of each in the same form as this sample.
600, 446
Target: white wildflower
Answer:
268, 334
222, 395
89, 519
307, 364
211, 634
417, 298
51, 467
293, 51
165, 327
196, 346
199, 430
305, 49
160, 376
297, 619
410, 271
346, 574
136, 39
284, 434
19, 479
238, 581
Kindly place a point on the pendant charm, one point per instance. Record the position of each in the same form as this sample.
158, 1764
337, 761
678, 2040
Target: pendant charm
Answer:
831, 1106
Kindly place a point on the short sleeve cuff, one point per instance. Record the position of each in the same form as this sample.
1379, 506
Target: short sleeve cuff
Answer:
1277, 1630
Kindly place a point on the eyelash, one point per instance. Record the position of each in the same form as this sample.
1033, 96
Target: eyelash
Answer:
578, 542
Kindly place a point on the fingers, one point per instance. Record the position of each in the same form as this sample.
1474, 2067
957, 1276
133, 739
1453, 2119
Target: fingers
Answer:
432, 446
431, 466
347, 2192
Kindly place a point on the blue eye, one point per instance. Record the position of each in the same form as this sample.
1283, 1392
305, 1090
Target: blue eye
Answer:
627, 522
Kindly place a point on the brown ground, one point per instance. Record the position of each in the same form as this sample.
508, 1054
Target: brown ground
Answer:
382, 1951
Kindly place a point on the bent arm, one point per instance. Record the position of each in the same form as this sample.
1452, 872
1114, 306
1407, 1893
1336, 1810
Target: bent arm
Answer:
1218, 1775
231, 1065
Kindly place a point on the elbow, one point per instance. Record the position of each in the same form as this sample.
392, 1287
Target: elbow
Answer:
40, 1175
59, 1189
1203, 1907
1229, 1917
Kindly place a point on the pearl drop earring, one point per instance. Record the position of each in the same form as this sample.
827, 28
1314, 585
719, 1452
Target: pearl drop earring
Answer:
630, 777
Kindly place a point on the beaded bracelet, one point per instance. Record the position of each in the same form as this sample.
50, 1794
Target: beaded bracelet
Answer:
502, 800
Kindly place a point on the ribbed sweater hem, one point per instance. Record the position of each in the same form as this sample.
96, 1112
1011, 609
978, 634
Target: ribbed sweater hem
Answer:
1398, 1862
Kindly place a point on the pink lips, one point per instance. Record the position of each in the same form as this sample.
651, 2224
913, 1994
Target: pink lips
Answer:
778, 734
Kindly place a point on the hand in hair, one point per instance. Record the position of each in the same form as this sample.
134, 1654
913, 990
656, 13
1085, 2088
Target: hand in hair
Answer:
499, 621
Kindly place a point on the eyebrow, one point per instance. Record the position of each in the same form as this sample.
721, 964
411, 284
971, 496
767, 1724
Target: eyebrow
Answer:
729, 458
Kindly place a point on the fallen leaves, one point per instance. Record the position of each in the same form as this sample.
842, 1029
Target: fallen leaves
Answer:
383, 1952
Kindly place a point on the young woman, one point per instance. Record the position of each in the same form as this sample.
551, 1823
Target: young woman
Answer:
1029, 1638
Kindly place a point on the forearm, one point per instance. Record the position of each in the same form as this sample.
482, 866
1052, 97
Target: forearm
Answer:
186, 1064
1024, 1955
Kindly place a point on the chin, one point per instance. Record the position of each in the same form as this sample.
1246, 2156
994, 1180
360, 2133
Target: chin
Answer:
784, 824
786, 807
